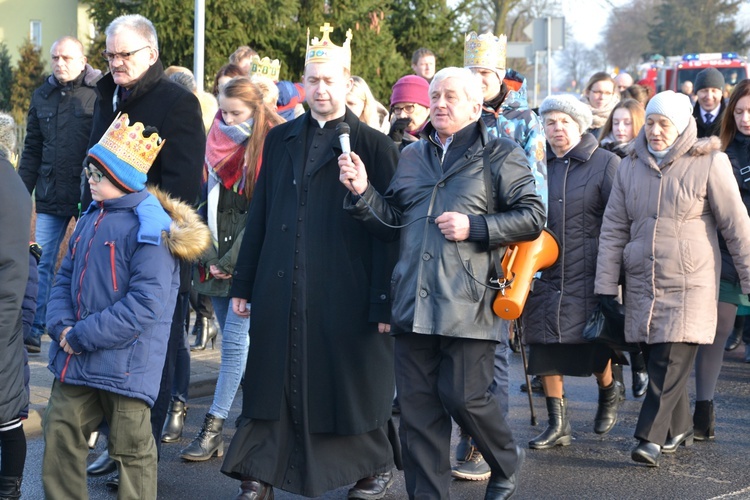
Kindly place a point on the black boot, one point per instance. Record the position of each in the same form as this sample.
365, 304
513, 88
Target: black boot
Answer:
172, 429
207, 331
558, 432
10, 487
606, 413
617, 375
704, 420
207, 442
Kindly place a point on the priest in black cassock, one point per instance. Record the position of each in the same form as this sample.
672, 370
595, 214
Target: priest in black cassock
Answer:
319, 380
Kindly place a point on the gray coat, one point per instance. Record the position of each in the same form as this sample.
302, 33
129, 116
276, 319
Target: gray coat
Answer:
661, 227
433, 292
15, 221
563, 298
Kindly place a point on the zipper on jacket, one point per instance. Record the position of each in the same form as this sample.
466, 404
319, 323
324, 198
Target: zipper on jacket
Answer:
111, 245
73, 250
86, 263
65, 368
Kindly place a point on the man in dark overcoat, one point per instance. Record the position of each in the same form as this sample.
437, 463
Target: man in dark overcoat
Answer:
136, 85
319, 380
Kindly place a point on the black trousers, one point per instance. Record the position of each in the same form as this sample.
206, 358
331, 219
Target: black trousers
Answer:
439, 378
666, 408
177, 336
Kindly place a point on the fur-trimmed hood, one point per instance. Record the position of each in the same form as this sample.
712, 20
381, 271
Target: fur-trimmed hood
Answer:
188, 236
686, 143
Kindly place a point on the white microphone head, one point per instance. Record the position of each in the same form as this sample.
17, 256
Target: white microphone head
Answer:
343, 129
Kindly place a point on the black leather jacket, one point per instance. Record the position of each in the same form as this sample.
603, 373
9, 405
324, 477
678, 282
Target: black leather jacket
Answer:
432, 290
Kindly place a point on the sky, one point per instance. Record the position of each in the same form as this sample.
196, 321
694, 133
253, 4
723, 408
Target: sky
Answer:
588, 17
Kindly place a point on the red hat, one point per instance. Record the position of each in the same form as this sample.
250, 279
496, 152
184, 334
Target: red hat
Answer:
411, 88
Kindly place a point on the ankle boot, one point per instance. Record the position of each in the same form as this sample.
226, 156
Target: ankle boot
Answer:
704, 420
207, 442
172, 429
207, 332
10, 487
617, 375
606, 412
558, 432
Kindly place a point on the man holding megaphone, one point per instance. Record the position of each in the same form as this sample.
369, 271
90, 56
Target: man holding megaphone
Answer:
456, 196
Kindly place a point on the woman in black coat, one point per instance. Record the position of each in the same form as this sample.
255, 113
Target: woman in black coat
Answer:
580, 179
735, 142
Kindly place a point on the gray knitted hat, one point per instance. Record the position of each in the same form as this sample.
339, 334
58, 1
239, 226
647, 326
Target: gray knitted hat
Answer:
7, 133
571, 106
674, 106
709, 78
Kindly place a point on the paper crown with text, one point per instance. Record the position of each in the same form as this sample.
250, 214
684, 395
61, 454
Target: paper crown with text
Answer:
485, 51
265, 67
125, 153
324, 50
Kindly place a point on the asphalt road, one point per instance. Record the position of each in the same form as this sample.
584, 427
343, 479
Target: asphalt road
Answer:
593, 467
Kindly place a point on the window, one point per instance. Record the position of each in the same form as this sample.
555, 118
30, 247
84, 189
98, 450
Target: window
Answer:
35, 33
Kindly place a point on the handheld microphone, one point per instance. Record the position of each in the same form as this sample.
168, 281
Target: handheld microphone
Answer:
343, 129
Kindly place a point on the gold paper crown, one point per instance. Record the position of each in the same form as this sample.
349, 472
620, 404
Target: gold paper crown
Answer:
324, 50
265, 67
128, 144
485, 51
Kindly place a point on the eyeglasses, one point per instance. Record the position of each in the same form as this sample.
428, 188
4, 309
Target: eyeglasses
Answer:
408, 109
90, 172
111, 56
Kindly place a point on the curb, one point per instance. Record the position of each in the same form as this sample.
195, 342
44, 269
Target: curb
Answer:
200, 387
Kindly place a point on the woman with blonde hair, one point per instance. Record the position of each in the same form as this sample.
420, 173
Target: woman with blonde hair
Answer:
234, 149
600, 94
363, 104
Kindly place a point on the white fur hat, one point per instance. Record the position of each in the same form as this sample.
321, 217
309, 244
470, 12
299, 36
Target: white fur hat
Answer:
571, 106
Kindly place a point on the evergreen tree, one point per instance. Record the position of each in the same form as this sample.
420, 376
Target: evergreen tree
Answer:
28, 76
430, 24
684, 26
6, 77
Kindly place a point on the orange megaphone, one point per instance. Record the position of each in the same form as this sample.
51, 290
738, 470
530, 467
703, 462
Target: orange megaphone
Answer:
520, 263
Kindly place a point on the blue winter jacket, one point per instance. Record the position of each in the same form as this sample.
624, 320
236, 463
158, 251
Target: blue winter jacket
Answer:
117, 288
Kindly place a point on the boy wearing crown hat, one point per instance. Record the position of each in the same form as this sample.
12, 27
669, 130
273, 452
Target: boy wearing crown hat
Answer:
506, 113
318, 279
109, 315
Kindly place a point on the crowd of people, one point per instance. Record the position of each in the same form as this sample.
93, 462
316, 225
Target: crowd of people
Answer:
346, 250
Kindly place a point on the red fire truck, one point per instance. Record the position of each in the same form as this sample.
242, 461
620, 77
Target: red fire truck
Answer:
672, 73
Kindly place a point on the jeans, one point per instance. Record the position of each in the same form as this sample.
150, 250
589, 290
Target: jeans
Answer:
235, 342
49, 233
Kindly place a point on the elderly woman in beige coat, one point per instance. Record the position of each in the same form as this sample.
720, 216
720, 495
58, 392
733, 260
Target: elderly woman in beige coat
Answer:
660, 227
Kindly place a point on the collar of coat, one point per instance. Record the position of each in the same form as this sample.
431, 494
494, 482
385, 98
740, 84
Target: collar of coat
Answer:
88, 77
149, 80
163, 217
428, 132
580, 152
686, 143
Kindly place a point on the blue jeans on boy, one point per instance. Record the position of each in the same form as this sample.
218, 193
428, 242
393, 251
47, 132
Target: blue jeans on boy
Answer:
49, 233
235, 342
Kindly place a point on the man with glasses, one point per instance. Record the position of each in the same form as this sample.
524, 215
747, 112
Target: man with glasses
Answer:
57, 134
410, 109
136, 85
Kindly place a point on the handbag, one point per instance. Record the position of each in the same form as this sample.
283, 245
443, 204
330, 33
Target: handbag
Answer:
606, 325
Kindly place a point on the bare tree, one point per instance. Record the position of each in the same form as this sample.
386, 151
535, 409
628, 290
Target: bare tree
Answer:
626, 34
576, 63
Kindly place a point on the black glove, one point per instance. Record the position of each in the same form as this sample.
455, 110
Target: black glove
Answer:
397, 129
610, 307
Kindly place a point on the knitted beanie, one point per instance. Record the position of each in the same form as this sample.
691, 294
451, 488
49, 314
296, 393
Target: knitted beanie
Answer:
673, 105
571, 106
411, 88
709, 78
125, 153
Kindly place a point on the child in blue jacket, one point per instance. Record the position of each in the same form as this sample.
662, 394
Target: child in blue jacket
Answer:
110, 312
